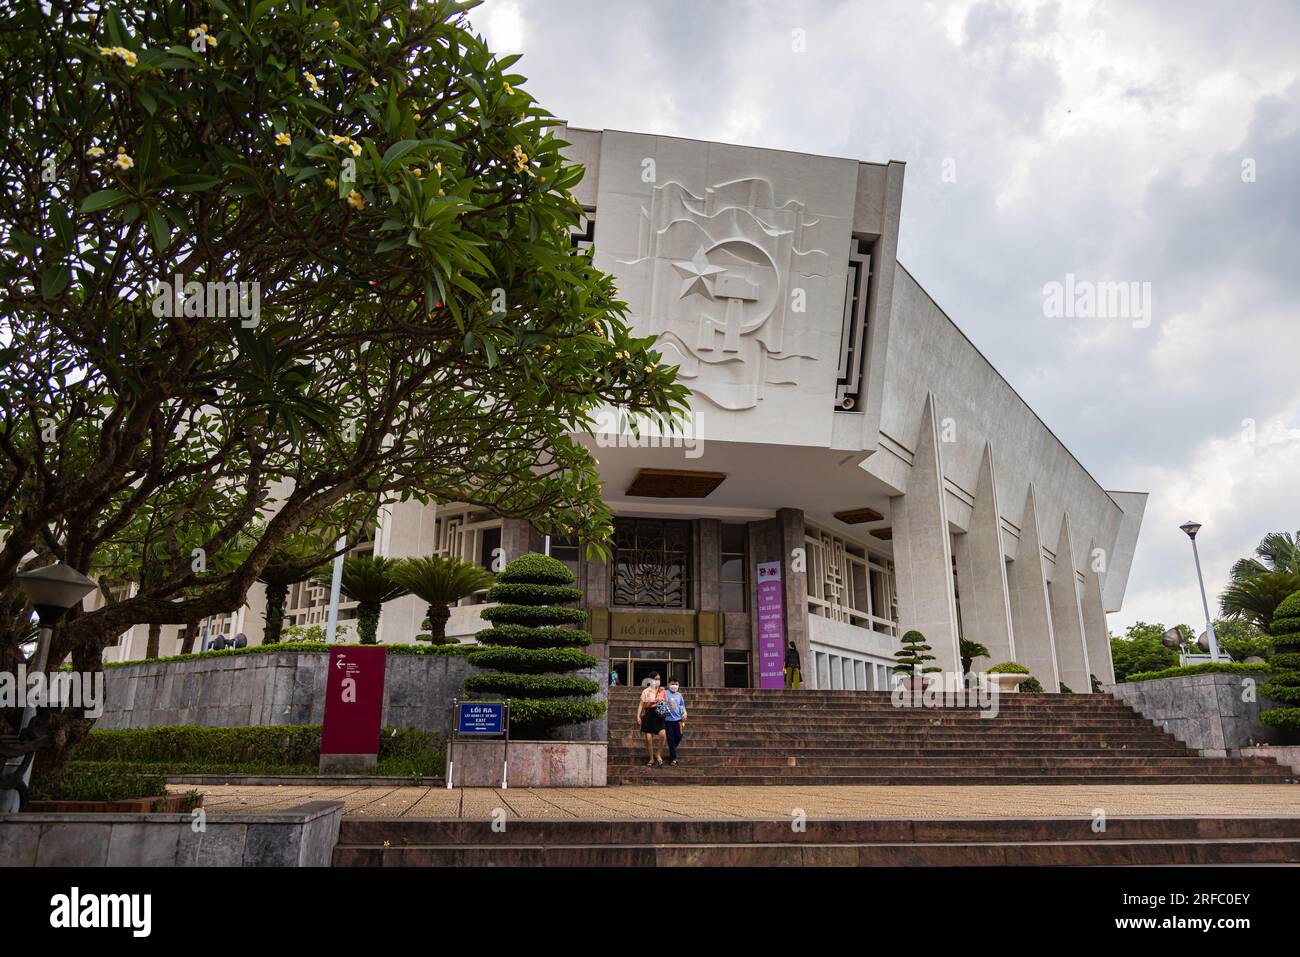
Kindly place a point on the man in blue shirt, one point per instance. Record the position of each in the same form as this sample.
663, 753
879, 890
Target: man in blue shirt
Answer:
674, 719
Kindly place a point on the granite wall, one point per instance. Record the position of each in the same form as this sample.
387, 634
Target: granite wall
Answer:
302, 836
288, 687
1207, 712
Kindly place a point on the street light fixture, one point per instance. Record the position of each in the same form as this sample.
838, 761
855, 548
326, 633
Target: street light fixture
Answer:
1191, 528
53, 590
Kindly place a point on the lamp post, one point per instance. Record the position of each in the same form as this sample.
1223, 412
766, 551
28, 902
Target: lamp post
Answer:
1191, 528
53, 590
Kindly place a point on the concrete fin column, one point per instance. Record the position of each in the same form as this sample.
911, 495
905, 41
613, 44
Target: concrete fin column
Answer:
982, 572
1067, 615
1030, 613
1095, 632
927, 600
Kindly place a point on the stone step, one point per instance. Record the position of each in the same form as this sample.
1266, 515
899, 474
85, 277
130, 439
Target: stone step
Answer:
417, 832
721, 779
833, 763
902, 751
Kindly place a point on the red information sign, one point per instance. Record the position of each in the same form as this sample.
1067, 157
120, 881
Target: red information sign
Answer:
354, 700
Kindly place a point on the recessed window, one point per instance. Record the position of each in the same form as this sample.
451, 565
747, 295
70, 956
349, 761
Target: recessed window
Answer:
651, 563
733, 567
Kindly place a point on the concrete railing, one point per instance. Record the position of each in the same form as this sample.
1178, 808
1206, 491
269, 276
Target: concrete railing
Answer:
1217, 714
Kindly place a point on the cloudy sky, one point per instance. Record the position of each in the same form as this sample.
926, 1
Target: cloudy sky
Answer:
1141, 142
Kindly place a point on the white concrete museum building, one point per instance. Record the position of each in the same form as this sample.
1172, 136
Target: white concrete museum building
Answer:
845, 435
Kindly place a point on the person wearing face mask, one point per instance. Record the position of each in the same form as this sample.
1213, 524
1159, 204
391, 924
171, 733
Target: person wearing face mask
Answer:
674, 719
651, 721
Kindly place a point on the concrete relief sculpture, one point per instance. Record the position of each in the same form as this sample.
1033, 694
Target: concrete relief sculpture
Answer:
728, 282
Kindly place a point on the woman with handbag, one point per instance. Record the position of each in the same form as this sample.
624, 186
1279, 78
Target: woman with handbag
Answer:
651, 720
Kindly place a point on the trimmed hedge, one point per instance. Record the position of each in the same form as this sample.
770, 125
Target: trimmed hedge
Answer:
299, 647
534, 615
1030, 685
520, 636
539, 686
552, 712
537, 569
1202, 668
532, 660
275, 749
527, 593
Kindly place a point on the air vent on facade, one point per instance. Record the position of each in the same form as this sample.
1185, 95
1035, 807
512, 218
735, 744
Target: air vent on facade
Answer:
674, 483
858, 516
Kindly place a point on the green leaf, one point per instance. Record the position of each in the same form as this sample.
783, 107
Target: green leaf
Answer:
62, 223
54, 280
103, 200
159, 231
191, 182
397, 151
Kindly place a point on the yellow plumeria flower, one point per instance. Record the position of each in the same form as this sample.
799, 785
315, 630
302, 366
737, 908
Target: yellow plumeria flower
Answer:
311, 81
356, 200
95, 151
437, 167
417, 117
211, 41
130, 58
355, 148
283, 139
338, 140
105, 51
442, 192
122, 161
334, 24
417, 172
373, 81
330, 183
509, 88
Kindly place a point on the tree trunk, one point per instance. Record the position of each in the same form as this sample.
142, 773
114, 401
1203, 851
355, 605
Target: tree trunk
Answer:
438, 616
151, 648
191, 632
368, 623
275, 598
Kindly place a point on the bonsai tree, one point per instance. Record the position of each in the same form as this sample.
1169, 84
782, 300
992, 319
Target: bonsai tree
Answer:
532, 644
912, 656
1284, 685
369, 582
970, 650
441, 582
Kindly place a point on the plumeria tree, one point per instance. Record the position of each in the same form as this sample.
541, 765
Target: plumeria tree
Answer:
274, 263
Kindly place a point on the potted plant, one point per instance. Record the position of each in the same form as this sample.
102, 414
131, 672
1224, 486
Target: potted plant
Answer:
1008, 676
912, 658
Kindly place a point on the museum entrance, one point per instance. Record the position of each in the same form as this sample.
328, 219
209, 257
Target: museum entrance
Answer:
634, 665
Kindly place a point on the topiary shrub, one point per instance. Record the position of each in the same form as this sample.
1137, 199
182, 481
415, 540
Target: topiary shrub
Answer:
1065, 689
912, 656
1284, 686
531, 645
1031, 685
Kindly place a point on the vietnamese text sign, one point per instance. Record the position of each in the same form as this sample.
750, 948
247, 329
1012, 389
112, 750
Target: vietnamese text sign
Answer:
771, 626
354, 700
481, 717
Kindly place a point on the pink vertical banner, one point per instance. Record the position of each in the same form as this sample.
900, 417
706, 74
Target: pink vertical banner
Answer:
771, 626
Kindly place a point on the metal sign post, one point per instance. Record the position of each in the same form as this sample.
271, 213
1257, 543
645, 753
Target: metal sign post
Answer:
481, 719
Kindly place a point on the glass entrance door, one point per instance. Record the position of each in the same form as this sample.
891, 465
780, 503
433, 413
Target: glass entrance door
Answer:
635, 665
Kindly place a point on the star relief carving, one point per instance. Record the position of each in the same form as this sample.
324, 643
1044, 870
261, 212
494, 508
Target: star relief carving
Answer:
697, 274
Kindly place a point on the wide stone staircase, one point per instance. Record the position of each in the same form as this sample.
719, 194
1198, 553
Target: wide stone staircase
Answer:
738, 736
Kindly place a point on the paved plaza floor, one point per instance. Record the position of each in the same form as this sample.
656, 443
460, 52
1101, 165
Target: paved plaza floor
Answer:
715, 803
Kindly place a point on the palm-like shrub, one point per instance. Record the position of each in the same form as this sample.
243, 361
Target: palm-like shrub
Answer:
532, 644
284, 569
441, 582
1284, 685
970, 650
368, 581
1257, 598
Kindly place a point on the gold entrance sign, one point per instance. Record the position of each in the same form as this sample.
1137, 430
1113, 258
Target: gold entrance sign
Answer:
649, 625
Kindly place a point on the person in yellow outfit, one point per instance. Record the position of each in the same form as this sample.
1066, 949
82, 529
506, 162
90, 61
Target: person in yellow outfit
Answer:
792, 666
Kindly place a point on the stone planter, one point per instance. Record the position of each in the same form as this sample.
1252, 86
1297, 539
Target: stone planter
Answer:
1007, 682
532, 764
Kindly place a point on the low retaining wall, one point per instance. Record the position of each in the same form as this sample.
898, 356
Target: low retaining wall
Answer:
1206, 712
532, 764
302, 836
1287, 755
288, 687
